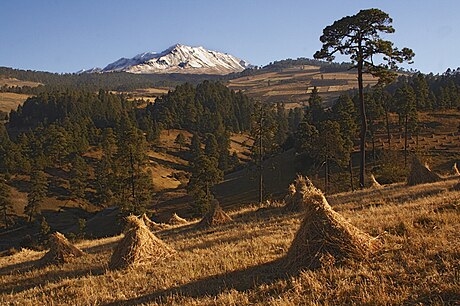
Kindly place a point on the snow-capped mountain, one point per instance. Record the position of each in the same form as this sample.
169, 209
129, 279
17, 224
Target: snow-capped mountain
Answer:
91, 70
180, 59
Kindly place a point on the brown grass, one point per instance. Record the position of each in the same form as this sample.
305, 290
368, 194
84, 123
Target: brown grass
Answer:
139, 246
10, 101
236, 264
16, 82
61, 251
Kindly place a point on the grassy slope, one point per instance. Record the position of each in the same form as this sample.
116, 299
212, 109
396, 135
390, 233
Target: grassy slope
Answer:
10, 101
294, 85
241, 263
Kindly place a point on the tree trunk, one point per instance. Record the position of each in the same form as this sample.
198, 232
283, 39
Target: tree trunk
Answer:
131, 160
362, 109
405, 141
387, 123
261, 159
373, 145
326, 183
350, 168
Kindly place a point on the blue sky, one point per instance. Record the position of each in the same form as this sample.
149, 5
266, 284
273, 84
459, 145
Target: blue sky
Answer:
65, 35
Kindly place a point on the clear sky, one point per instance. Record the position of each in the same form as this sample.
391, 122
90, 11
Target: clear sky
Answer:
65, 35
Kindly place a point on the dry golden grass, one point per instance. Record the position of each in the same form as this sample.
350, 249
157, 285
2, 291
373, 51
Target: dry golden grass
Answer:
10, 101
240, 263
294, 85
16, 82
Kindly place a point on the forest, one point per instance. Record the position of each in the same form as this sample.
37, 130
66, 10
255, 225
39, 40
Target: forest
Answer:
55, 129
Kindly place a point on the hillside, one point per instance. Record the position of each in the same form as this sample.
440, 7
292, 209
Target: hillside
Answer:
242, 263
293, 85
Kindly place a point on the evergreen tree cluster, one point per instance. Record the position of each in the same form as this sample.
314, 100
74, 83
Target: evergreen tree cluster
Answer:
206, 108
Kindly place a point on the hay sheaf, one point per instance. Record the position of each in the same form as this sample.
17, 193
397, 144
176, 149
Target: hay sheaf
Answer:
153, 226
216, 216
61, 251
456, 171
374, 183
139, 246
290, 196
421, 174
299, 195
326, 237
176, 220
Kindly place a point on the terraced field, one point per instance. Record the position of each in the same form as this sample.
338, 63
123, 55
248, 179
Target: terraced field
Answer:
294, 85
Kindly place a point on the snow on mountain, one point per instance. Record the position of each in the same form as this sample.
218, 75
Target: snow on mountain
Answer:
180, 59
91, 70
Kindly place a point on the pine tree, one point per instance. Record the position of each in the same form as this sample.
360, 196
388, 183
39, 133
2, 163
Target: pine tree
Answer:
205, 174
6, 206
195, 148
262, 131
330, 147
358, 36
131, 186
78, 178
282, 125
315, 107
105, 182
210, 146
407, 112
180, 141
38, 190
345, 114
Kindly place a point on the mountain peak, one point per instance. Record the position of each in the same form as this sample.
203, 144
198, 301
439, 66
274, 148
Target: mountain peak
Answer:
180, 58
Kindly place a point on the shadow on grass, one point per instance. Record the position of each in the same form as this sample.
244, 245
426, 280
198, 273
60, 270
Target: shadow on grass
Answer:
240, 280
19, 267
42, 279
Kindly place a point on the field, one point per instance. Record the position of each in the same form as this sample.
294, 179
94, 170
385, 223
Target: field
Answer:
294, 85
10, 101
241, 263
15, 82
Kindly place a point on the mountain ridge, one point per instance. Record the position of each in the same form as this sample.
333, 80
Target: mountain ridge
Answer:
176, 59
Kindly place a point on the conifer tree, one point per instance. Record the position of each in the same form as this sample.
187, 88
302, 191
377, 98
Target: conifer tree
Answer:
329, 148
6, 206
205, 174
180, 141
282, 125
358, 37
38, 190
262, 131
345, 114
78, 177
407, 112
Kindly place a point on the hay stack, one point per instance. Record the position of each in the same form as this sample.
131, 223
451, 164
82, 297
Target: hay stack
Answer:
375, 184
61, 250
139, 246
456, 171
304, 189
324, 235
176, 220
216, 216
420, 174
153, 226
290, 196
